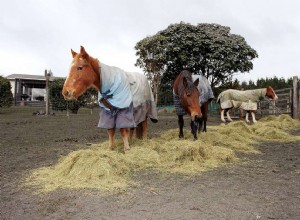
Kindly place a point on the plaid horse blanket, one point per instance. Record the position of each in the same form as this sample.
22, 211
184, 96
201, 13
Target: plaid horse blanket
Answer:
246, 100
122, 88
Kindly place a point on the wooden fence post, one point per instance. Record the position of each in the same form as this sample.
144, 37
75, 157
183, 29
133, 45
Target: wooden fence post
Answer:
295, 98
47, 75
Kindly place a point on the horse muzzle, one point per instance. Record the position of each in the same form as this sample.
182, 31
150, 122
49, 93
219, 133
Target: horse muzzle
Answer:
69, 94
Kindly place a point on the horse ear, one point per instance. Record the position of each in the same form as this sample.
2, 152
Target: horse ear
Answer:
73, 53
196, 83
83, 53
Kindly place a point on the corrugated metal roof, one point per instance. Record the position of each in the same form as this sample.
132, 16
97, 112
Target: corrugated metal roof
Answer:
30, 77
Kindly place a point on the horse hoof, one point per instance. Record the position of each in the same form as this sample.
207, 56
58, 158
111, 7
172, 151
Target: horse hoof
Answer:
195, 139
126, 150
112, 147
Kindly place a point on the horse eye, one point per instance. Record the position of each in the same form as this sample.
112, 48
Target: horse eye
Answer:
79, 68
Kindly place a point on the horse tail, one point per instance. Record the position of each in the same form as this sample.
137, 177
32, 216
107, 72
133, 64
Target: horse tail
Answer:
219, 97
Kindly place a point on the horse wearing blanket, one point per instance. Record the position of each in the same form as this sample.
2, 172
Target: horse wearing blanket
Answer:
246, 100
125, 99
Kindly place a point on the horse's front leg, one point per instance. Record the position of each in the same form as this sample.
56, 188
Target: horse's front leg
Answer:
194, 128
200, 124
204, 110
111, 134
253, 117
125, 135
180, 124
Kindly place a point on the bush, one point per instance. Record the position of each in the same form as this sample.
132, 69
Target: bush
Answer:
6, 97
59, 103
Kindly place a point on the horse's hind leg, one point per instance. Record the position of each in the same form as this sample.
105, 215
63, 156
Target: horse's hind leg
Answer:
124, 133
131, 133
222, 115
111, 134
144, 128
180, 124
141, 130
247, 117
228, 116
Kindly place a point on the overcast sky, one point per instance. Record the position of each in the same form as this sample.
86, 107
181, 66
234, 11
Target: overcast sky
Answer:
38, 34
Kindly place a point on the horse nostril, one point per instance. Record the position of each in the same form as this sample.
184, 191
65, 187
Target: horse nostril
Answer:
67, 93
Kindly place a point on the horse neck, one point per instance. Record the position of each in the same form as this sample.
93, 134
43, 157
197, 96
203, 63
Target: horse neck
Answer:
260, 92
96, 67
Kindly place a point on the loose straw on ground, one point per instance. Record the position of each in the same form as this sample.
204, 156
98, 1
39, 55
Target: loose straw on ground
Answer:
111, 171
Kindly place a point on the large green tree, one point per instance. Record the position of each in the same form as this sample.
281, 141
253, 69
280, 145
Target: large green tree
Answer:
206, 49
6, 96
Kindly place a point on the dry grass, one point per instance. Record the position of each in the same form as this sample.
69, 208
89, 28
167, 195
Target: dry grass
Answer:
109, 171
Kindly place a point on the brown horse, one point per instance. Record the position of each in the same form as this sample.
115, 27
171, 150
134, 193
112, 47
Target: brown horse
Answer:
125, 99
186, 100
246, 100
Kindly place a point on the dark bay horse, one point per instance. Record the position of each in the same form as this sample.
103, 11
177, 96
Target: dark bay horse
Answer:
125, 99
186, 100
246, 100
206, 96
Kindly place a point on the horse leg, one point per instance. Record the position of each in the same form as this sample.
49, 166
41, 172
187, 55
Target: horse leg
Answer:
253, 117
139, 131
200, 124
180, 124
204, 111
247, 117
111, 134
222, 115
228, 116
194, 129
131, 133
144, 128
124, 133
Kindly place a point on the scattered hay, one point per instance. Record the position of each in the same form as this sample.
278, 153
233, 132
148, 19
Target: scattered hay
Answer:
110, 171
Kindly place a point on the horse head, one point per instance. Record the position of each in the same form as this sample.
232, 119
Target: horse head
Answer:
271, 93
84, 73
189, 97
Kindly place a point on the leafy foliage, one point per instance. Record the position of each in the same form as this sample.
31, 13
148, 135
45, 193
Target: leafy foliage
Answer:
6, 97
207, 49
88, 99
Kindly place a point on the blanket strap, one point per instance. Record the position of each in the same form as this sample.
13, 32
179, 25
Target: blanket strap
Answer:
104, 95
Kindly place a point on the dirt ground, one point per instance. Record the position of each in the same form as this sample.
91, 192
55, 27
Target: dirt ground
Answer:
261, 186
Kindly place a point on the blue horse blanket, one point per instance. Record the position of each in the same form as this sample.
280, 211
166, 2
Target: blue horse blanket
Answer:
122, 88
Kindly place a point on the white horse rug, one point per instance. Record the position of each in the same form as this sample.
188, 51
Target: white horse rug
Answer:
246, 100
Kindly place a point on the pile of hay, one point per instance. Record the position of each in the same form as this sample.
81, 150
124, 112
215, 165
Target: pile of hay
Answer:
105, 170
